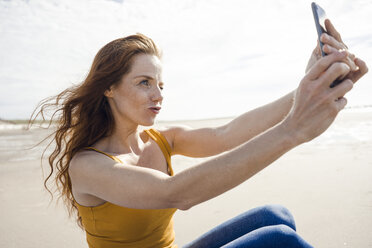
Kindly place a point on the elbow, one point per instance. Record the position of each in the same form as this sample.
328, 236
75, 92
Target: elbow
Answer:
184, 206
180, 202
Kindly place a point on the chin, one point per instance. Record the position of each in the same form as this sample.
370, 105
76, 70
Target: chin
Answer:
147, 123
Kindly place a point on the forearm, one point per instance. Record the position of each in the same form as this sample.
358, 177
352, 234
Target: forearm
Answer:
313, 111
257, 121
220, 174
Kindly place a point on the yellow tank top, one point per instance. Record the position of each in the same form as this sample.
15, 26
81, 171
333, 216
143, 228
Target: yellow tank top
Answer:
109, 225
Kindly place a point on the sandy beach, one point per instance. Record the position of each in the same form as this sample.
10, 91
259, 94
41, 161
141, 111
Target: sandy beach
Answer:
326, 184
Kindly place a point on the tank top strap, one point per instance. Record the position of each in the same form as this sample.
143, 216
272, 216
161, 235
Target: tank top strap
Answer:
116, 159
164, 146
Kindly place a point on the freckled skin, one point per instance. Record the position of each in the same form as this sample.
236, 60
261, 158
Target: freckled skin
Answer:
138, 90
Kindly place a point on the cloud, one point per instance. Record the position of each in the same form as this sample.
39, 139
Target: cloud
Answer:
230, 54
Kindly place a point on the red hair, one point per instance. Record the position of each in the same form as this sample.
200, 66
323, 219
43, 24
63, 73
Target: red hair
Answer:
82, 113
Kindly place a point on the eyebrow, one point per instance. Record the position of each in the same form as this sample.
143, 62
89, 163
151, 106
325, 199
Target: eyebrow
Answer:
148, 77
145, 76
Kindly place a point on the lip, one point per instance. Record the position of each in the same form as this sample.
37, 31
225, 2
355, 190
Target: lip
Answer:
155, 110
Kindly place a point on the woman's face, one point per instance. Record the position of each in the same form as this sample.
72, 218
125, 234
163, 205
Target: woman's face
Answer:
137, 98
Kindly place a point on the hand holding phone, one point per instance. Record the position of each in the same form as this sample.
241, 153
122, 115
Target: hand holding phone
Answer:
321, 27
319, 18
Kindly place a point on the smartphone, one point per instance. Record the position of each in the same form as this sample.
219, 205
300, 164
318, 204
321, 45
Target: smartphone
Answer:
319, 18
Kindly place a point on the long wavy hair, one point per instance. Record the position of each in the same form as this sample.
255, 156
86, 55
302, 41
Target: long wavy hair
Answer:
82, 114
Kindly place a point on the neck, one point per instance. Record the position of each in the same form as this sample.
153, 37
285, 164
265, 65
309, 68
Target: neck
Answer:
124, 139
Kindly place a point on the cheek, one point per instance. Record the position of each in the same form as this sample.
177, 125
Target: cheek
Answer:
132, 101
138, 99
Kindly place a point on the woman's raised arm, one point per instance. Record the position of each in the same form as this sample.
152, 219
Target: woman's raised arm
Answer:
211, 141
314, 109
205, 142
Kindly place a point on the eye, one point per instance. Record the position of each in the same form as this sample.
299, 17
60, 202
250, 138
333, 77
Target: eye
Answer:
145, 82
161, 87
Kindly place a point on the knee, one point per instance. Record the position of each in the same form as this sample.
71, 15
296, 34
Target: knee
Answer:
284, 236
279, 215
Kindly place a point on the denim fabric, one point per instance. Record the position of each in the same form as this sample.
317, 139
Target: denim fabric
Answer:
264, 227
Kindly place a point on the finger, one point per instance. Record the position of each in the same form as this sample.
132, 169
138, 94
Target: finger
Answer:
363, 69
322, 64
351, 56
332, 30
328, 39
341, 89
335, 71
317, 51
362, 65
329, 49
348, 60
340, 104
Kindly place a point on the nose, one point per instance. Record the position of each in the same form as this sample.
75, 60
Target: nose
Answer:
157, 95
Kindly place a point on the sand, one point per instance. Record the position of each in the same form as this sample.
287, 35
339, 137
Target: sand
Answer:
326, 184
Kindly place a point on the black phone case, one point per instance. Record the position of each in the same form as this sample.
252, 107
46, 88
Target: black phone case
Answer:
319, 14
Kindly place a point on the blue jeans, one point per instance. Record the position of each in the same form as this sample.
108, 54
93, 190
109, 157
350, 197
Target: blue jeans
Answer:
265, 227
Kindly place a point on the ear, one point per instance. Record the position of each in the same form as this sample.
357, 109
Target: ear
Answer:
108, 93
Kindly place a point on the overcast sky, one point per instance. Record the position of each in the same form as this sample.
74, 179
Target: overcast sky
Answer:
221, 58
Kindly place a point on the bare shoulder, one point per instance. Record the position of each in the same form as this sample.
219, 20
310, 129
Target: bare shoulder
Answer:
171, 132
96, 179
86, 163
81, 160
84, 169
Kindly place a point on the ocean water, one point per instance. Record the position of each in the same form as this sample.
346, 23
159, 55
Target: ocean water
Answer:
19, 144
221, 58
352, 127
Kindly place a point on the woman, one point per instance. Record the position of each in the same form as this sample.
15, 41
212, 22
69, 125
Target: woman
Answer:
119, 179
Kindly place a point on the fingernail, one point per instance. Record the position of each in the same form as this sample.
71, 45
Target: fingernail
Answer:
322, 38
